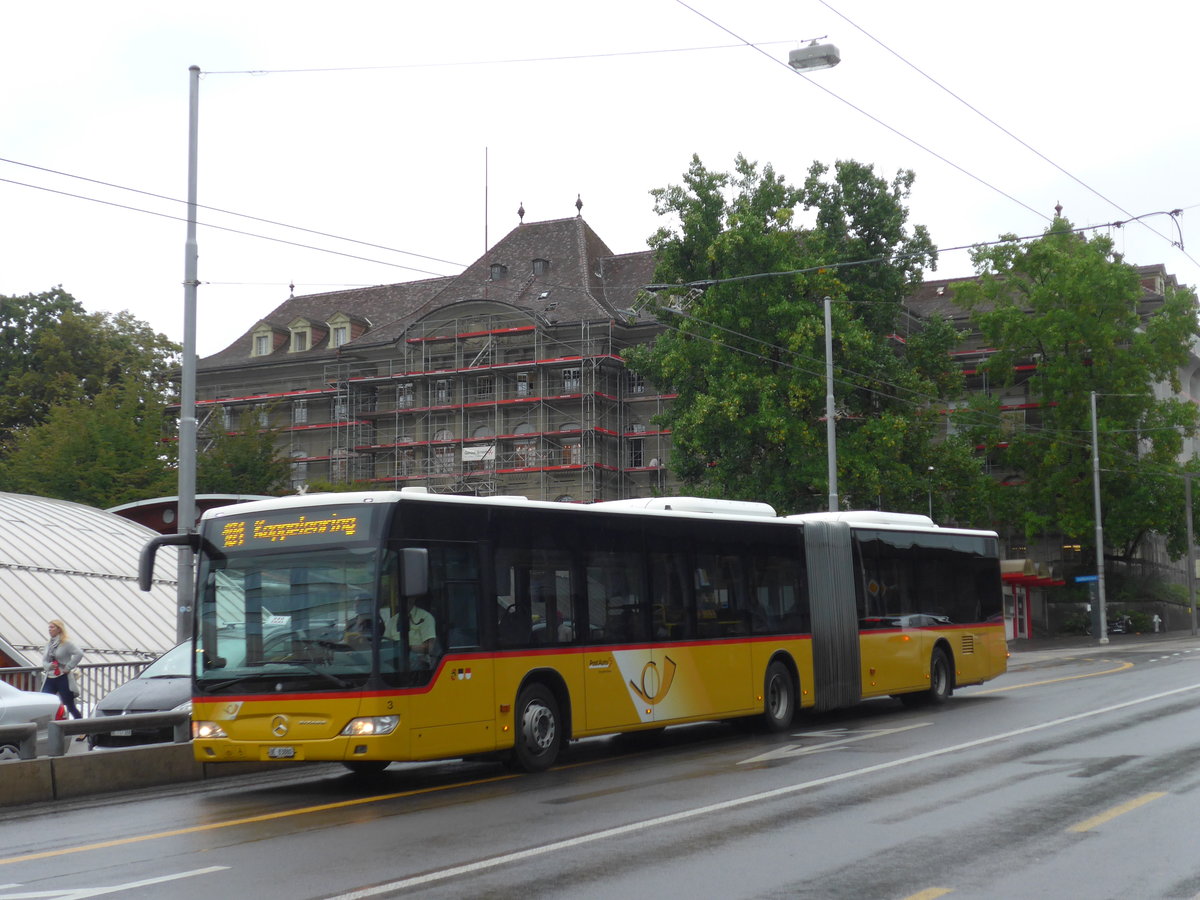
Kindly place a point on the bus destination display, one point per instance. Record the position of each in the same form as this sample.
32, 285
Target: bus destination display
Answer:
296, 528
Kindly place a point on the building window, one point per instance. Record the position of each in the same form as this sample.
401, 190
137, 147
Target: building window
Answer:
262, 417
262, 344
226, 418
404, 395
441, 391
572, 453
443, 459
341, 334
406, 463
485, 387
541, 266
523, 384
498, 271
571, 379
299, 412
637, 453
341, 409
299, 341
637, 383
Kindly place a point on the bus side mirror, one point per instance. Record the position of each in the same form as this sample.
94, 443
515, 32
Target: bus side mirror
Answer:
150, 551
415, 571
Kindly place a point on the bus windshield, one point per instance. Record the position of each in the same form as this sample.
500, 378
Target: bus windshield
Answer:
305, 620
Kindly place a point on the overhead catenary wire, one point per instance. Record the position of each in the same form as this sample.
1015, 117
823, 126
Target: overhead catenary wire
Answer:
872, 117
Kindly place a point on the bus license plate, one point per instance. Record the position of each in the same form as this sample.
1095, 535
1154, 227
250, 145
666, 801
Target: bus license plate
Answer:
281, 752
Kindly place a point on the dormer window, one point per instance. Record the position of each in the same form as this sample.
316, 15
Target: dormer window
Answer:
301, 335
265, 339
498, 271
343, 329
541, 266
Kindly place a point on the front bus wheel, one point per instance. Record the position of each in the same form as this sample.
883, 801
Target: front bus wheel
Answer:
365, 768
539, 731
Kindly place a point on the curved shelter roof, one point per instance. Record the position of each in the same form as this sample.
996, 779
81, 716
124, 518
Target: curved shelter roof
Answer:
63, 560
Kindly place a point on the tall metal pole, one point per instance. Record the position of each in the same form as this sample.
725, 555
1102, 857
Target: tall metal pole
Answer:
1099, 526
830, 430
1191, 551
187, 387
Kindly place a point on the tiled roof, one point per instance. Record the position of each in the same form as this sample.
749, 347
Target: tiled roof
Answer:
583, 281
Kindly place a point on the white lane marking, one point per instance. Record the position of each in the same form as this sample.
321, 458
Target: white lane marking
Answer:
634, 827
81, 893
844, 735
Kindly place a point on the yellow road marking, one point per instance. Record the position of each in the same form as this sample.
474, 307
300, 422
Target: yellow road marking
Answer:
1014, 687
1109, 815
248, 820
930, 894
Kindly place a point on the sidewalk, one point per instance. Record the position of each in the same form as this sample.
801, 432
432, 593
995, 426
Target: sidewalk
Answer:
1029, 652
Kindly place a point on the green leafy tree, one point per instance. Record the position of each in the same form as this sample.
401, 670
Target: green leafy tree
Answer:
102, 451
242, 463
1072, 305
54, 352
744, 347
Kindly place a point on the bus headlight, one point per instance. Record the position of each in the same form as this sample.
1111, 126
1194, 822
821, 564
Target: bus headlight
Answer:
207, 730
368, 725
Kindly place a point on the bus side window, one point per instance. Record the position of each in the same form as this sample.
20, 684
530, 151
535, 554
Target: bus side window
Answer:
462, 629
515, 628
616, 613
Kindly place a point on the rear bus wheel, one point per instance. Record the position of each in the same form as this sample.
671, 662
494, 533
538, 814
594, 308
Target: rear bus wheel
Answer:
941, 682
538, 726
779, 698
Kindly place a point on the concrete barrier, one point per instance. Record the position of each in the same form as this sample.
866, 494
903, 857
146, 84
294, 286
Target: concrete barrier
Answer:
76, 775
58, 732
23, 737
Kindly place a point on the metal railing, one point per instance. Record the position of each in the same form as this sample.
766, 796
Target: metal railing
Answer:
95, 679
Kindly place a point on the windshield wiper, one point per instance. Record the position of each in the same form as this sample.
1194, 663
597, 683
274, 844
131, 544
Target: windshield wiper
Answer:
308, 667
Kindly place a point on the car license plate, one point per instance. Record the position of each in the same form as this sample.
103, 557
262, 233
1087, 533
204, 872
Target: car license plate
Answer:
281, 752
124, 732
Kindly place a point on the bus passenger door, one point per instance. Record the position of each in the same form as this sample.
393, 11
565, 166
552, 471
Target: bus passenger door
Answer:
618, 652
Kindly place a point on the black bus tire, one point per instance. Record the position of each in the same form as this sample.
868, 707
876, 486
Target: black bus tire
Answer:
366, 767
941, 682
538, 729
779, 698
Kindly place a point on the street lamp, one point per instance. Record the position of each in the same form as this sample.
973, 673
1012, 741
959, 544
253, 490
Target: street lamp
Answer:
929, 488
814, 57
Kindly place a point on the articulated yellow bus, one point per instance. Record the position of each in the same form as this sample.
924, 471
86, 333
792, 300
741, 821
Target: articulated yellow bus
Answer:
375, 627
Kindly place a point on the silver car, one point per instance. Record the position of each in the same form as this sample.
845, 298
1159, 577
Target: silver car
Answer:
163, 686
18, 707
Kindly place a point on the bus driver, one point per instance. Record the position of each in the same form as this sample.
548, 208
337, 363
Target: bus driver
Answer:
422, 636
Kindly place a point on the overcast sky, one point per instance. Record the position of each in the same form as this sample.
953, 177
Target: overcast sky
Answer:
418, 129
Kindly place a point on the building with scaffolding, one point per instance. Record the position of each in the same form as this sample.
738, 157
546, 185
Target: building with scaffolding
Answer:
506, 379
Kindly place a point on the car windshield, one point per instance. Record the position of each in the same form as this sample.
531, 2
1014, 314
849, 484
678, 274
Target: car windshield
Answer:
175, 663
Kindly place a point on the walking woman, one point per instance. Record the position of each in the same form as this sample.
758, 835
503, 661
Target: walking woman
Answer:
59, 664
